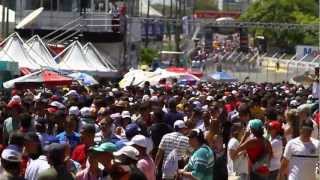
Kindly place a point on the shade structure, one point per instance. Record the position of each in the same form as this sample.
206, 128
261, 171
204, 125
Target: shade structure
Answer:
96, 58
221, 76
39, 52
84, 79
139, 77
14, 50
42, 77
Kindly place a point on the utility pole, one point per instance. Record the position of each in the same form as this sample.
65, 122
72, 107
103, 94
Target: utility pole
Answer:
3, 19
147, 24
178, 29
163, 7
7, 18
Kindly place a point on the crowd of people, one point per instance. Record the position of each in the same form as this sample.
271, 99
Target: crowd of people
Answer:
220, 131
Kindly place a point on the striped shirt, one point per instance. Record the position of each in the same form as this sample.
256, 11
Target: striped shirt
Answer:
174, 140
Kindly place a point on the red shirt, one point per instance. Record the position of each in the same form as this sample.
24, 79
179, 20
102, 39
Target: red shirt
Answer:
79, 154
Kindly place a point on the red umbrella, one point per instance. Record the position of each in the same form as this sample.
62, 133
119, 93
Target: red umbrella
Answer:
51, 78
42, 77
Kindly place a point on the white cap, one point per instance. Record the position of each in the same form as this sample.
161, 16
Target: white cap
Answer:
11, 155
210, 98
16, 98
154, 98
115, 90
57, 104
139, 140
294, 103
74, 110
125, 114
145, 98
115, 116
128, 151
179, 124
85, 112
72, 93
234, 92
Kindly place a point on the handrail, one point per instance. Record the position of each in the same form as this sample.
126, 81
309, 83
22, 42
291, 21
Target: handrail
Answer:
74, 33
65, 32
62, 27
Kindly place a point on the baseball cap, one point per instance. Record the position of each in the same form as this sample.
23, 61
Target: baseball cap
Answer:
11, 155
179, 124
125, 114
138, 140
132, 129
74, 110
85, 112
255, 124
72, 93
276, 125
105, 147
128, 151
57, 104
52, 110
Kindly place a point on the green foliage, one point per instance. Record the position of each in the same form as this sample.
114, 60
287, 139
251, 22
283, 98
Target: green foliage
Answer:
206, 5
147, 55
285, 11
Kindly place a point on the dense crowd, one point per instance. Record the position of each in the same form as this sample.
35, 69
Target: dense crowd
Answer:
207, 131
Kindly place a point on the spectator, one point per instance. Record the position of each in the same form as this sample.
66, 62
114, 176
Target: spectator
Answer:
69, 136
175, 140
56, 159
201, 162
79, 154
300, 155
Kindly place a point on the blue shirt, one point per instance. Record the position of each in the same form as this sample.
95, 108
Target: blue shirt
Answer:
72, 139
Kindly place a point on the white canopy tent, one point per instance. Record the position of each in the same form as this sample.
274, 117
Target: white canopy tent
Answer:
39, 52
14, 50
74, 59
96, 58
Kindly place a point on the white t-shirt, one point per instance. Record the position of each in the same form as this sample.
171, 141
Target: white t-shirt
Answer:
277, 148
35, 167
302, 158
237, 166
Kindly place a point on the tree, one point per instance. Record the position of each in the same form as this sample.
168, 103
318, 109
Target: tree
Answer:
285, 11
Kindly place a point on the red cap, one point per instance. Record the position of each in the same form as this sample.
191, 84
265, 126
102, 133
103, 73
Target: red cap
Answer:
52, 110
14, 105
275, 125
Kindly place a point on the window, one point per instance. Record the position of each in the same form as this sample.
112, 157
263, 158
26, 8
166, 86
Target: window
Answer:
32, 4
65, 5
50, 5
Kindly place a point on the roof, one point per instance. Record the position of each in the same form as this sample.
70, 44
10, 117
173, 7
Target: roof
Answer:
74, 59
14, 50
96, 58
39, 52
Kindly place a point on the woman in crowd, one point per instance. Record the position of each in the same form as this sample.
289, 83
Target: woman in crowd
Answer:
276, 140
201, 162
258, 149
237, 163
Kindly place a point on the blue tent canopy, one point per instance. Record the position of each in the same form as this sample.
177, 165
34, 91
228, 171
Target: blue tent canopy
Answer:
221, 76
84, 79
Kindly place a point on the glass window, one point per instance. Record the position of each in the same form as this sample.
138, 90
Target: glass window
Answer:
65, 5
32, 4
50, 5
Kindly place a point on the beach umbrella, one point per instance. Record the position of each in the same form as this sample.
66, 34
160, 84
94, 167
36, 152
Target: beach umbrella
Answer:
84, 79
38, 78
